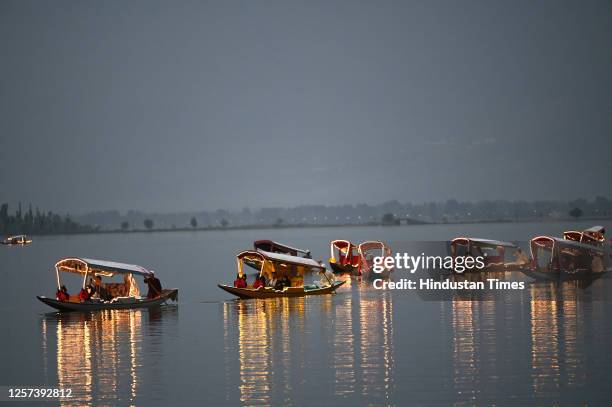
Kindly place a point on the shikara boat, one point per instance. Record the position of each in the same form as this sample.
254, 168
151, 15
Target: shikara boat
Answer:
18, 240
496, 253
275, 247
278, 265
344, 257
594, 235
103, 268
367, 252
556, 258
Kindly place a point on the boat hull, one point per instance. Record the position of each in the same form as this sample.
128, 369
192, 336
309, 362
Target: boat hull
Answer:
267, 292
343, 268
167, 294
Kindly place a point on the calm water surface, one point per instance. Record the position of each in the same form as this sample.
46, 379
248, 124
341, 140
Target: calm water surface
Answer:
359, 347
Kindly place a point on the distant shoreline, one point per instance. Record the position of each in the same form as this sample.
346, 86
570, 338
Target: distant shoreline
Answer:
311, 226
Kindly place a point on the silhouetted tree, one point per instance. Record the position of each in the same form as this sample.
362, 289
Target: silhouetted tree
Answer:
279, 222
194, 222
125, 225
148, 223
576, 212
224, 222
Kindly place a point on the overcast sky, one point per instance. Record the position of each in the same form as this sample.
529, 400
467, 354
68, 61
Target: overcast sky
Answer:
175, 105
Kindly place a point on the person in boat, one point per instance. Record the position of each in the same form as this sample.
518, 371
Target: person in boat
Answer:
520, 257
272, 282
240, 281
154, 285
327, 278
260, 281
286, 282
62, 294
100, 290
85, 294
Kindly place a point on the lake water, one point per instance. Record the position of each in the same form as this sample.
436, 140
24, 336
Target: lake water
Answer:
358, 347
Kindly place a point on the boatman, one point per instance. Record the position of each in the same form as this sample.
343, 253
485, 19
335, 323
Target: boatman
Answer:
154, 285
327, 278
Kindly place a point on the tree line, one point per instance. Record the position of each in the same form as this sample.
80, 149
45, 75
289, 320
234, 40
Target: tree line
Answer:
390, 212
37, 222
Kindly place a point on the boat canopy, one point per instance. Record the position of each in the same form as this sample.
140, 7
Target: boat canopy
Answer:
347, 252
17, 237
481, 242
276, 260
99, 267
549, 242
278, 265
272, 246
374, 248
592, 234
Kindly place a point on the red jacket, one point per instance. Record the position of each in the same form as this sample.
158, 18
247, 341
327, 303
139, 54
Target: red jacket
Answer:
61, 296
240, 283
83, 295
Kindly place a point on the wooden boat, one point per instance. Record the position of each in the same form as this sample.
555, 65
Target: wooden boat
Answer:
268, 292
275, 247
594, 235
367, 252
125, 296
555, 258
277, 266
347, 260
166, 295
18, 240
494, 252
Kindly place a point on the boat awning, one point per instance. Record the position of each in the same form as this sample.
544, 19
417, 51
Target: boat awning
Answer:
482, 242
341, 243
258, 244
373, 244
279, 258
548, 242
102, 267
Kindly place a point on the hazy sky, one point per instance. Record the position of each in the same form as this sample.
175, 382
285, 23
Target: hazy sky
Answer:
175, 105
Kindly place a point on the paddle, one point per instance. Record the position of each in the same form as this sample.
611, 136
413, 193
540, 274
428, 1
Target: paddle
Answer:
330, 283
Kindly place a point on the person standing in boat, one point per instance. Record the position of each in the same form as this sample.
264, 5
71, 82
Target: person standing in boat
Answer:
327, 278
154, 285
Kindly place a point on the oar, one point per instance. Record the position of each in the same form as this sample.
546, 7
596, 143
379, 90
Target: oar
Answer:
330, 283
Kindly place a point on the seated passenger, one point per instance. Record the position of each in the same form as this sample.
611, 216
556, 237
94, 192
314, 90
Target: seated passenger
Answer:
259, 282
240, 282
286, 282
84, 295
62, 294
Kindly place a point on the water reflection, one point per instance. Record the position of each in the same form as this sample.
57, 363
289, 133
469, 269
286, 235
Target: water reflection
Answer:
264, 344
98, 355
287, 347
559, 315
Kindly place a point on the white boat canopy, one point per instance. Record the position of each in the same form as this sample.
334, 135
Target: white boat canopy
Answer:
99, 267
482, 242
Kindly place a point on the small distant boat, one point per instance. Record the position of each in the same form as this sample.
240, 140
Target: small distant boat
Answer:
17, 240
367, 252
495, 253
275, 247
279, 265
103, 268
555, 258
344, 257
